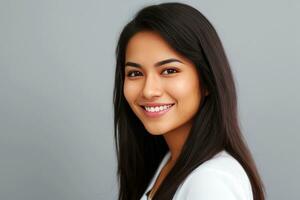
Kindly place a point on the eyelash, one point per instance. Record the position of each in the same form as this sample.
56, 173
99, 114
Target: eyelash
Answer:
173, 69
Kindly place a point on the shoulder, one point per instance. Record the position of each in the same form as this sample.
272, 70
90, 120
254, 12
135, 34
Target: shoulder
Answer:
221, 177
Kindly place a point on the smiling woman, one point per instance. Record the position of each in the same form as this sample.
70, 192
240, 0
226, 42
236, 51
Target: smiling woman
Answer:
164, 95
176, 127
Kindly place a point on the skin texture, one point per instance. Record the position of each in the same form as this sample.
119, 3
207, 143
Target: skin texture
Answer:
152, 84
174, 82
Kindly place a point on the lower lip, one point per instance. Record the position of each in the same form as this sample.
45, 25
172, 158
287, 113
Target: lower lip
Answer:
156, 114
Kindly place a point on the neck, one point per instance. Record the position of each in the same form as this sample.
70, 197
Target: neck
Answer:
175, 140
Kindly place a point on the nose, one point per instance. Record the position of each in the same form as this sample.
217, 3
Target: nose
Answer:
152, 87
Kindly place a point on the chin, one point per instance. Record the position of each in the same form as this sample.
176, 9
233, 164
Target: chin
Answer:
157, 130
154, 131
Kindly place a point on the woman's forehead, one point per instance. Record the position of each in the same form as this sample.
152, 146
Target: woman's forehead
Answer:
149, 47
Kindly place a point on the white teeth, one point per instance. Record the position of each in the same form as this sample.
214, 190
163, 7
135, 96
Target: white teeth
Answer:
157, 108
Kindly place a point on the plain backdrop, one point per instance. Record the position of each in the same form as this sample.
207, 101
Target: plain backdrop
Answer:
57, 62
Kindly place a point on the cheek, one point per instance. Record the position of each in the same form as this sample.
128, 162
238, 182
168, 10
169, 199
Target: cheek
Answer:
184, 88
130, 91
186, 92
127, 92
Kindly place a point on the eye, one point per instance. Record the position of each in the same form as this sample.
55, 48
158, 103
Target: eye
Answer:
133, 73
170, 71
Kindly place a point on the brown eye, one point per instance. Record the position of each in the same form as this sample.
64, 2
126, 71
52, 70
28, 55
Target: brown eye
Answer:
169, 71
133, 73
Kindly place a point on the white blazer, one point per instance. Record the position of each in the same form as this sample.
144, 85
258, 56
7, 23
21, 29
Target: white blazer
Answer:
220, 178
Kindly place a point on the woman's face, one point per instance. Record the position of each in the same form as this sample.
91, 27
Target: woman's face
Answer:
170, 90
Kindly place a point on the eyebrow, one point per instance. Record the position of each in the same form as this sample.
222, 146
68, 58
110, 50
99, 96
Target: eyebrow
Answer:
163, 62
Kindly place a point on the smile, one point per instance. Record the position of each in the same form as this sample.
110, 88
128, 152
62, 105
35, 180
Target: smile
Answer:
156, 111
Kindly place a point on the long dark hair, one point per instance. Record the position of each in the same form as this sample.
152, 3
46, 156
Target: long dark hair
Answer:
215, 126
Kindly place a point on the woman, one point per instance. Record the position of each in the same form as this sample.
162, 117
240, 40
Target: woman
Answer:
175, 110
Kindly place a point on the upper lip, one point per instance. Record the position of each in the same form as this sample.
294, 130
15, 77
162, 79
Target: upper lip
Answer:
155, 104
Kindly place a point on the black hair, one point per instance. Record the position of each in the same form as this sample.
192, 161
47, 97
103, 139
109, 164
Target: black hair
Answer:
216, 125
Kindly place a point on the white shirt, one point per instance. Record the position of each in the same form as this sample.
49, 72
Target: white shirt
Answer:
220, 178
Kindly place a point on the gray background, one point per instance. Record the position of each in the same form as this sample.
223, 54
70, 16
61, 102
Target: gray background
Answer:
56, 82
